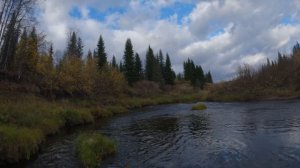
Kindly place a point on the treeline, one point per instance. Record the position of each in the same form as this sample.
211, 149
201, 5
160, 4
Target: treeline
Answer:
277, 78
26, 57
79, 75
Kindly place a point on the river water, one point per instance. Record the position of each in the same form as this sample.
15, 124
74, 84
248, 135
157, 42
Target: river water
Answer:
256, 134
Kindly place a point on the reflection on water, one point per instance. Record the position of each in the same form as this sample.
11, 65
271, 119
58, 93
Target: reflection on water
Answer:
264, 134
261, 134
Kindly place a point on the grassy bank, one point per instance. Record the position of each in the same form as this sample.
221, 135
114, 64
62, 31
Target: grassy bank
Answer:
26, 119
92, 148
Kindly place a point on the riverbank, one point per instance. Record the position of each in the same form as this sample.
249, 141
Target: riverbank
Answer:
26, 119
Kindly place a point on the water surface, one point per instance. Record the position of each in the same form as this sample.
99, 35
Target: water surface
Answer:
261, 134
258, 134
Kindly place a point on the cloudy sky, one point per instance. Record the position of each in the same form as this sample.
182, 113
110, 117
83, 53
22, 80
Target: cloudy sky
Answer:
220, 35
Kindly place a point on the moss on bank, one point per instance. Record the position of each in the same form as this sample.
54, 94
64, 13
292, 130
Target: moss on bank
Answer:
92, 148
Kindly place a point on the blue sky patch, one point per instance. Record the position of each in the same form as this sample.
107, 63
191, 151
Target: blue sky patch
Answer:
289, 21
76, 13
181, 9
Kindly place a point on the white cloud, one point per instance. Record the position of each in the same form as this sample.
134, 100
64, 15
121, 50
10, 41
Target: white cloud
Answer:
251, 30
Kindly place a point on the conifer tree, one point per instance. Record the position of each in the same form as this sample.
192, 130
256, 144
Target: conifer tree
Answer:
138, 67
72, 48
102, 57
208, 78
32, 57
79, 48
129, 69
150, 61
121, 68
90, 55
114, 62
169, 75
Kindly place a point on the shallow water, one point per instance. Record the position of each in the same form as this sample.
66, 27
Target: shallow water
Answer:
258, 134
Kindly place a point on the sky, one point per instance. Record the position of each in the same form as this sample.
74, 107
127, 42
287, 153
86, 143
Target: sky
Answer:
219, 35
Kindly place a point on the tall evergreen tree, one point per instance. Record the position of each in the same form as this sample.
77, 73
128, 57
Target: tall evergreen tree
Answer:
50, 53
102, 57
121, 67
72, 48
32, 57
129, 69
90, 55
114, 62
208, 78
79, 48
138, 67
150, 61
198, 77
161, 60
169, 75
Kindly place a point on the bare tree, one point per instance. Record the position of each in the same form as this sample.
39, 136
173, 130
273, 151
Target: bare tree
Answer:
14, 15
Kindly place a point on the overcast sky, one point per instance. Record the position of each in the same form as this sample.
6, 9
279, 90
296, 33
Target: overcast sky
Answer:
219, 35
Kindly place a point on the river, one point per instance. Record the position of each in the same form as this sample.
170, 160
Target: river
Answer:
256, 134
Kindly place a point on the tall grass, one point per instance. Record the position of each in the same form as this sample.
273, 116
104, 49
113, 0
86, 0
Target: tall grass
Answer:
26, 120
92, 148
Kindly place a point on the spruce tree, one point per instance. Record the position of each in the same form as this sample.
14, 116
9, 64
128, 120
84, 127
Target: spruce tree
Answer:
129, 69
169, 75
150, 61
208, 78
72, 48
121, 68
102, 57
50, 53
138, 67
79, 49
90, 55
114, 62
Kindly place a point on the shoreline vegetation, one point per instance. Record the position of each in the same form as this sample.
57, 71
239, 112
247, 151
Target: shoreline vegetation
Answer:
27, 119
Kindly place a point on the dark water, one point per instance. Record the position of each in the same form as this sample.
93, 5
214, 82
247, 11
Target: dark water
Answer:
261, 134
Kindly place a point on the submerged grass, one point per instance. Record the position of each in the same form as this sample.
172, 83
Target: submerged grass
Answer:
199, 106
92, 148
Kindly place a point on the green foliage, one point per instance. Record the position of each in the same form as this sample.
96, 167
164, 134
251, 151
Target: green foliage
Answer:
138, 69
129, 68
101, 54
92, 148
194, 73
199, 106
114, 63
153, 71
169, 77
